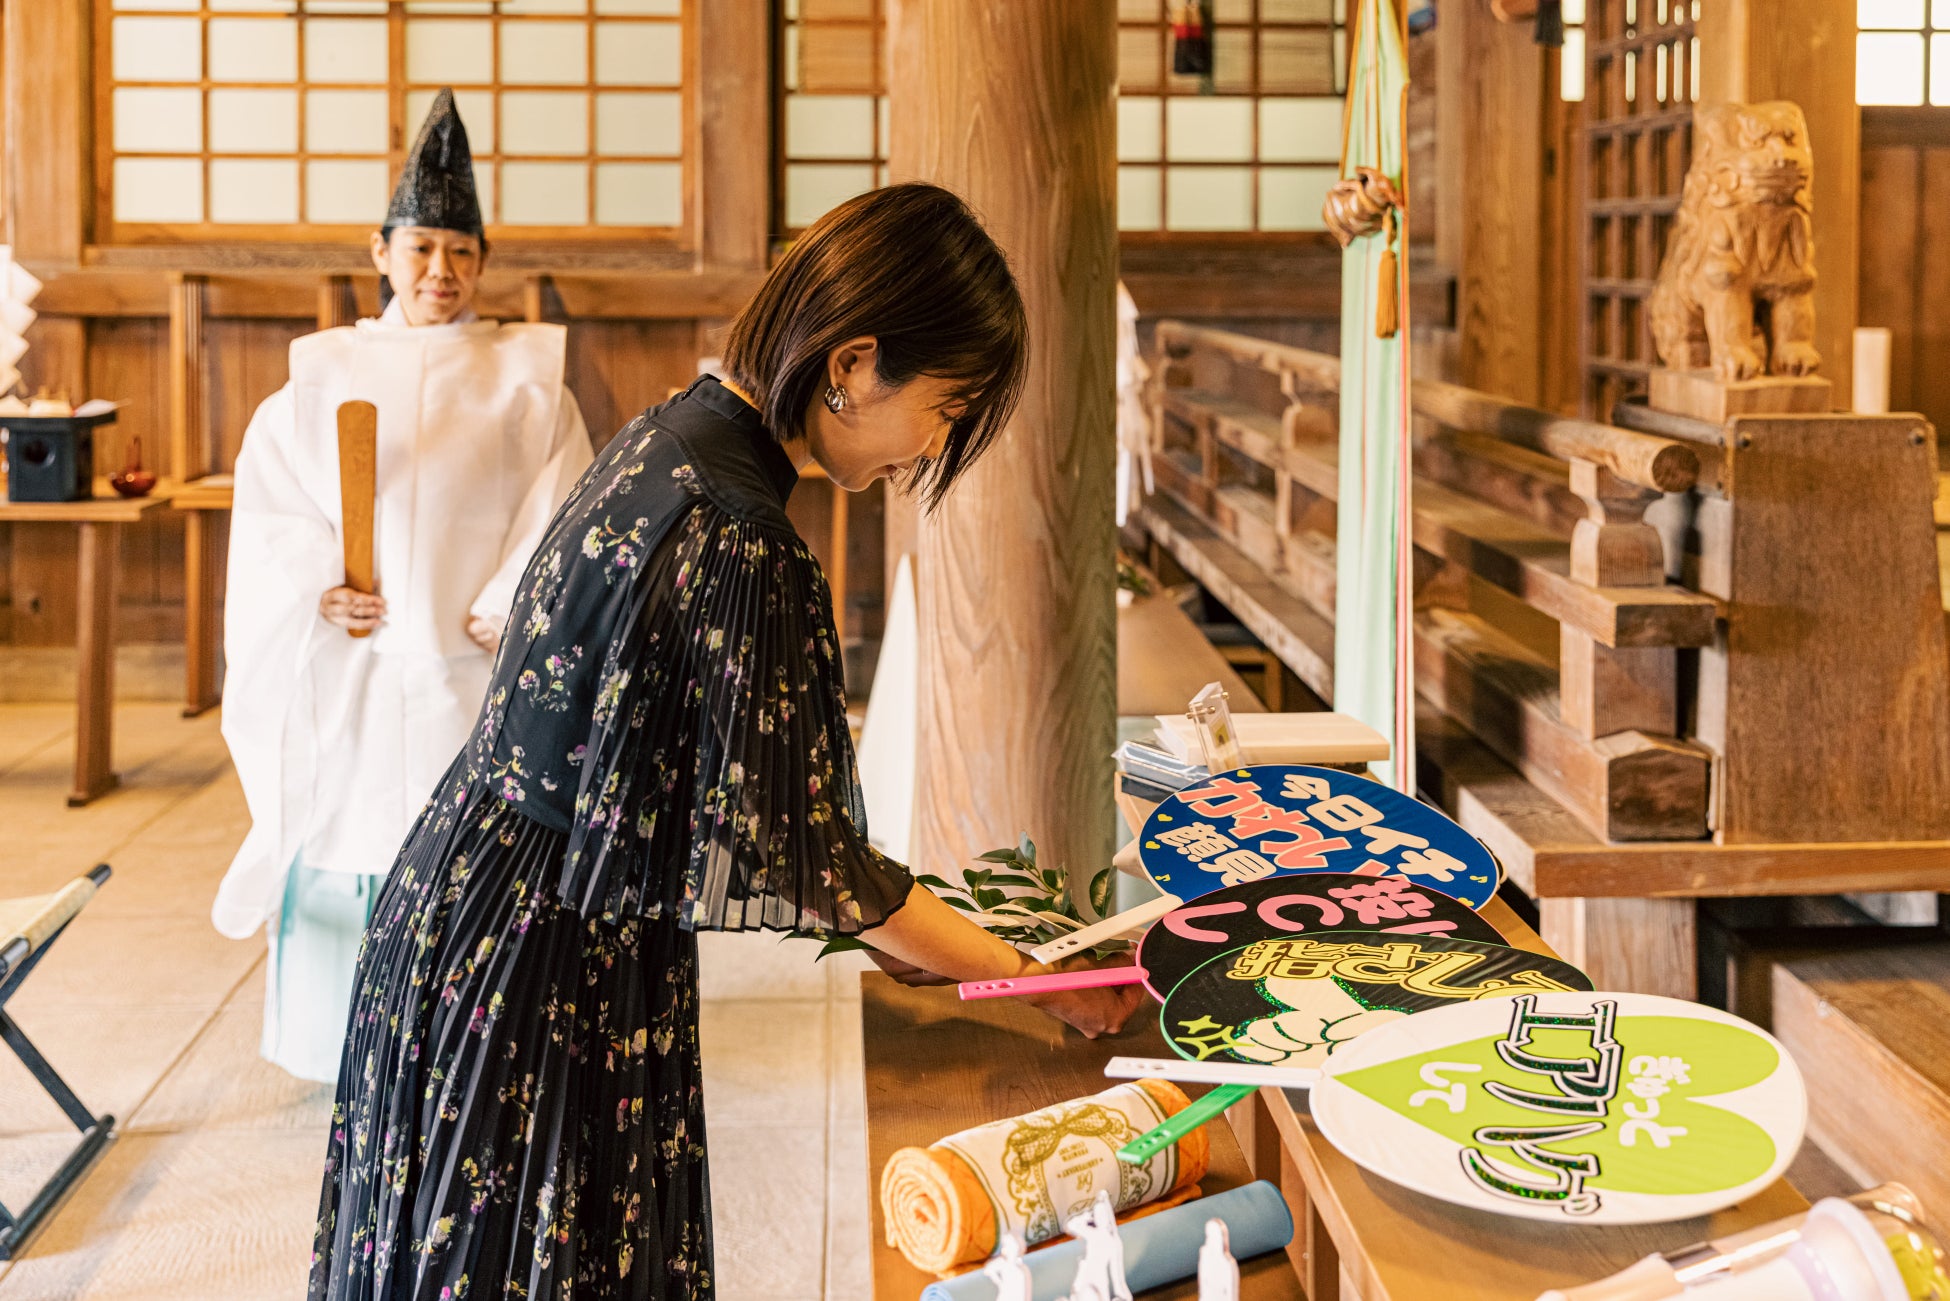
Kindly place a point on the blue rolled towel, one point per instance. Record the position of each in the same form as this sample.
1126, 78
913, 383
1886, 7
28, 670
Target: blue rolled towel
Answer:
1158, 1249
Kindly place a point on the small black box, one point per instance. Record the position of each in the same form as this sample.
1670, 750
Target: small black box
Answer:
51, 458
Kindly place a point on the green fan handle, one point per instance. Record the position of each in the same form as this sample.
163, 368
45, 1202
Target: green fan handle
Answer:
1178, 1124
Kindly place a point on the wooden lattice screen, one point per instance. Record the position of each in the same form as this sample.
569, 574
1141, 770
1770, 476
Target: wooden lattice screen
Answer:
1641, 80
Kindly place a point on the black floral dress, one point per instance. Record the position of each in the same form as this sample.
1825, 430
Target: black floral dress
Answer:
664, 748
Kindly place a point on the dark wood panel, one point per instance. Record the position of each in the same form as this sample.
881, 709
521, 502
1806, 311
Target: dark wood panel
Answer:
1892, 177
249, 361
128, 360
617, 368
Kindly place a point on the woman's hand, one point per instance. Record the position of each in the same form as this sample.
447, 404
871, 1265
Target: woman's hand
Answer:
905, 972
484, 634
1090, 1012
926, 940
351, 609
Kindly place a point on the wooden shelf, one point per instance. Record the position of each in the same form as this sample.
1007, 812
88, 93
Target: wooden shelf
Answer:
104, 508
1547, 851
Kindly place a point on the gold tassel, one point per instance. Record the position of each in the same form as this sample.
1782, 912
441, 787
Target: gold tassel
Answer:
1388, 308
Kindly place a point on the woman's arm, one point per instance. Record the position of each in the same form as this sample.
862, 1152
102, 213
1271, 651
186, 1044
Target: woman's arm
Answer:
927, 934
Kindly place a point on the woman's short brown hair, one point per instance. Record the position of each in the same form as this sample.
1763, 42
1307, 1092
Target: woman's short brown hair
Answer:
911, 266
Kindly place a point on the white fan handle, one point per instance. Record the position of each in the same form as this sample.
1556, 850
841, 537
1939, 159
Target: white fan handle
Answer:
1167, 1068
1108, 929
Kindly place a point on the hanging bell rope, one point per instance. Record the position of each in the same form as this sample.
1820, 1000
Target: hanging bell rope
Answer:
1367, 203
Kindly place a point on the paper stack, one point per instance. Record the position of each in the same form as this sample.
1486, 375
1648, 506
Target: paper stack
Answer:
1317, 738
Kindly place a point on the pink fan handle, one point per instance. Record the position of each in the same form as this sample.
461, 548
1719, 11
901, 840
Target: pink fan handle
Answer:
1094, 978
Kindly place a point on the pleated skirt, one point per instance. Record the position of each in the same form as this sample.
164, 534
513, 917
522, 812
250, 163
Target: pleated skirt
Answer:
519, 1112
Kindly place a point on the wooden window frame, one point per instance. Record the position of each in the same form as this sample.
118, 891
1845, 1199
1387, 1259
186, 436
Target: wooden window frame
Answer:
1166, 88
781, 160
1170, 85
1633, 152
106, 232
1925, 32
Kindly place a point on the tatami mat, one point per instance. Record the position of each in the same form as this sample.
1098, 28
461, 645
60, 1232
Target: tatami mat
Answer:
211, 1189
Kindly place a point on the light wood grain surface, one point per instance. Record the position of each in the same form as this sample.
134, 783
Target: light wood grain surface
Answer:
935, 1065
1013, 108
1871, 1030
103, 508
1163, 660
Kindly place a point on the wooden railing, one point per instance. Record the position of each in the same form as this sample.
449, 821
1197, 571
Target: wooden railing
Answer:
1248, 447
1629, 618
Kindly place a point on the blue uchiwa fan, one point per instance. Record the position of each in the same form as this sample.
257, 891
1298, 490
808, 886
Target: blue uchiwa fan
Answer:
1289, 819
1282, 819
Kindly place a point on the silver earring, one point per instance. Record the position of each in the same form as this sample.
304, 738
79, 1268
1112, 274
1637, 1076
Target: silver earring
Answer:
835, 398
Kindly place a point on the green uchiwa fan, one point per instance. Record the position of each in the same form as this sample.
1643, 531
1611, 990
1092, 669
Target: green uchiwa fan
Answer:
1292, 1002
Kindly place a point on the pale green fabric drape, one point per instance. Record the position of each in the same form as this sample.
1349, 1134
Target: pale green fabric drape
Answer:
1373, 674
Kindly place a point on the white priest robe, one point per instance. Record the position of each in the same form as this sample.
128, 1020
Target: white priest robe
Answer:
339, 740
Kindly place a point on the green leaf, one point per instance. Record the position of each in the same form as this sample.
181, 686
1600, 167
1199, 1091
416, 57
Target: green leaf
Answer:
1026, 848
1100, 893
1010, 878
990, 900
840, 944
997, 856
956, 901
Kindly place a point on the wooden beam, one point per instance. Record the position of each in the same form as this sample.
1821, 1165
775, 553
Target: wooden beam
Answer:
283, 293
1489, 122
1624, 786
1643, 946
1550, 854
1013, 107
47, 79
733, 73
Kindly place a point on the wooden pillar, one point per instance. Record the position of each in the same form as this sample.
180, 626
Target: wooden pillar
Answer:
1804, 50
94, 760
47, 81
190, 453
1011, 104
337, 303
1490, 88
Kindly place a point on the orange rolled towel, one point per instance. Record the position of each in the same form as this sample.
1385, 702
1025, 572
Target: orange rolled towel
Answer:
947, 1205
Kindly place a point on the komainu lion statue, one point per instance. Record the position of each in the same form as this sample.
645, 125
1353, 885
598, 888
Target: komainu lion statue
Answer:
1739, 273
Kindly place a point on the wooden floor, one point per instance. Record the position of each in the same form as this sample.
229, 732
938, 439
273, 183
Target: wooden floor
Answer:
212, 1187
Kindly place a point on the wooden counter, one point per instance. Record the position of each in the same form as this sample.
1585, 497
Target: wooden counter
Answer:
1163, 660
935, 1065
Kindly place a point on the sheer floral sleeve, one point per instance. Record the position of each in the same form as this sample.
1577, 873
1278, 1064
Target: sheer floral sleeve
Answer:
719, 778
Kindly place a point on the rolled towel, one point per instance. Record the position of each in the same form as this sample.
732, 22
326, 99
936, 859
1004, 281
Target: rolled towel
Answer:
1158, 1249
947, 1205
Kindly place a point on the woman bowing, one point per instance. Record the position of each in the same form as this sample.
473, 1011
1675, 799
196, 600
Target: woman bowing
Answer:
664, 749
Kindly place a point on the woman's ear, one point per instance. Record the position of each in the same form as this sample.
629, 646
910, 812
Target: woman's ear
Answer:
852, 362
379, 254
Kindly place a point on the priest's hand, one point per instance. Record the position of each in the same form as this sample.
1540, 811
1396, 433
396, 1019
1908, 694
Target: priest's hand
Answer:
351, 609
484, 634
